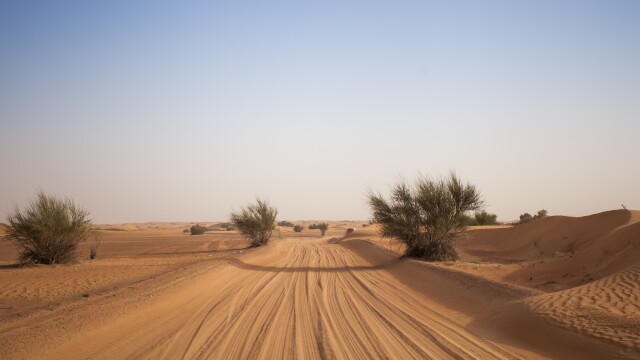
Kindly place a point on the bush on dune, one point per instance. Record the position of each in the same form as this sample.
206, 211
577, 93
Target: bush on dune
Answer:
49, 230
526, 217
426, 217
255, 222
297, 228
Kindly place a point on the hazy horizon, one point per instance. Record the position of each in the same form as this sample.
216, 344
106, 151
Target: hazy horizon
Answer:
182, 112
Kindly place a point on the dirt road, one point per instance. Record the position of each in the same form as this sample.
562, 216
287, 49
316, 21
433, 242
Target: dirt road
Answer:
299, 299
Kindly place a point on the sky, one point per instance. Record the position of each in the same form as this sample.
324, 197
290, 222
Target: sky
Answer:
184, 111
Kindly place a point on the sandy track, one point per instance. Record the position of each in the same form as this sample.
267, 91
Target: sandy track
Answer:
302, 299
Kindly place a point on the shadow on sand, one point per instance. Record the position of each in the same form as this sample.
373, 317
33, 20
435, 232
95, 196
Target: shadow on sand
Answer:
243, 265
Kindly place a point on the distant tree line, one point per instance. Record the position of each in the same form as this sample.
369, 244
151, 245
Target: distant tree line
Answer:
526, 217
482, 218
323, 227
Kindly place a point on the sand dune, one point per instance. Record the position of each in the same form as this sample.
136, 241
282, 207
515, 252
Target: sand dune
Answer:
608, 308
585, 271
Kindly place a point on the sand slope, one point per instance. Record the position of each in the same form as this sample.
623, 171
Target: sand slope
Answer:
584, 271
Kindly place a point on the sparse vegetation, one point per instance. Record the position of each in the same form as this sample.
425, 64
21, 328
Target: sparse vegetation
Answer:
198, 229
426, 217
256, 222
228, 226
298, 228
97, 240
526, 217
285, 223
323, 227
483, 218
49, 230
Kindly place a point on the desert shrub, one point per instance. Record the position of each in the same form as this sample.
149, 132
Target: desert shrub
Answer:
186, 231
255, 222
93, 252
198, 229
541, 214
285, 224
298, 228
484, 218
49, 230
426, 217
323, 227
526, 217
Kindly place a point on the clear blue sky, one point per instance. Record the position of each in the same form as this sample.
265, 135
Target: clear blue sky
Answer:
158, 111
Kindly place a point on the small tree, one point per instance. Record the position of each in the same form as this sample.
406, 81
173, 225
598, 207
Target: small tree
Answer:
526, 217
255, 222
426, 217
541, 214
49, 230
484, 218
198, 229
323, 227
297, 228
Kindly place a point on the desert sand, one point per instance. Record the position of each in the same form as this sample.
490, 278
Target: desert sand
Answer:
558, 287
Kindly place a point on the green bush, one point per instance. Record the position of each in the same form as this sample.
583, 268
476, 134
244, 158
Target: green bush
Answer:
526, 217
49, 230
484, 218
298, 228
198, 229
426, 217
256, 222
323, 227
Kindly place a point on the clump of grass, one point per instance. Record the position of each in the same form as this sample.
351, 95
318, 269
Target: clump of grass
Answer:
49, 230
449, 263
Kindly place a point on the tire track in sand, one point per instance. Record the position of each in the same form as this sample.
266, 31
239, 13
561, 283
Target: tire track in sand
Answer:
302, 300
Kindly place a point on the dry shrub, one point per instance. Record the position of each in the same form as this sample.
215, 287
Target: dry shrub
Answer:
49, 230
426, 217
255, 222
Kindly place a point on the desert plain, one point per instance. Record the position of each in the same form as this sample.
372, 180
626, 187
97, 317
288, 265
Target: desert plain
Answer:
554, 288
